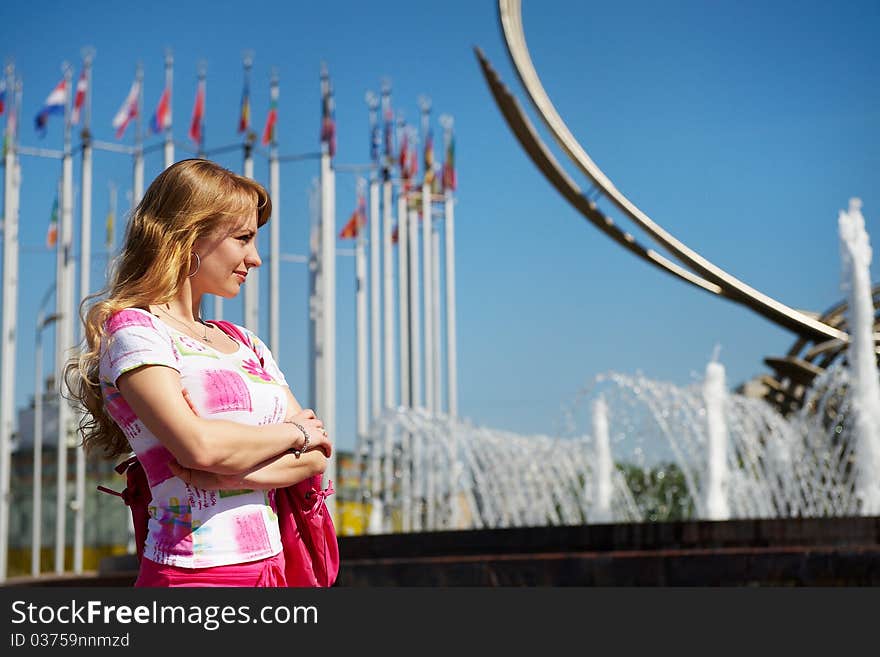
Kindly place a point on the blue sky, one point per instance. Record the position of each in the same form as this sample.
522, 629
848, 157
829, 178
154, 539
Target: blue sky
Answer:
741, 127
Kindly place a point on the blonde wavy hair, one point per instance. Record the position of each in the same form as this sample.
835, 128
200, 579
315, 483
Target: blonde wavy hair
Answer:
190, 199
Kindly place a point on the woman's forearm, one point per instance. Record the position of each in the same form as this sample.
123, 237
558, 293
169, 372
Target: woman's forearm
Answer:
226, 447
277, 472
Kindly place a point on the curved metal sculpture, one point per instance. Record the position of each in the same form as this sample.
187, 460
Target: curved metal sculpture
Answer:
697, 270
794, 373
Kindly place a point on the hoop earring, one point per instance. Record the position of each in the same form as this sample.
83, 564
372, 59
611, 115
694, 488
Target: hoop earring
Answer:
198, 264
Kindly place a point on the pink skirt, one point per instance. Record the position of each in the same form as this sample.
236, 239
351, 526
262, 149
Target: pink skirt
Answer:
267, 572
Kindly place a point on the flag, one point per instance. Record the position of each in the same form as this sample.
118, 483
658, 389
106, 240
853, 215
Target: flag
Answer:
413, 161
161, 118
128, 110
403, 155
435, 181
449, 165
375, 142
2, 95
198, 115
52, 233
356, 221
271, 117
429, 158
244, 118
82, 87
389, 138
54, 104
328, 123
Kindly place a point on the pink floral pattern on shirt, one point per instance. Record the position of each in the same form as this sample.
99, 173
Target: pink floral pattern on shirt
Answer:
256, 371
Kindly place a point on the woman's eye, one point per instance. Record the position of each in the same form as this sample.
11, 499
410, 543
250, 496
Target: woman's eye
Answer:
245, 239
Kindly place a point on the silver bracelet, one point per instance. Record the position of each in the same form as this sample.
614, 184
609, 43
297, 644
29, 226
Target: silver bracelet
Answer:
299, 452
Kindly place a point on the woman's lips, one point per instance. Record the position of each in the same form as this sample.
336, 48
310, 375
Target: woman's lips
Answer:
241, 277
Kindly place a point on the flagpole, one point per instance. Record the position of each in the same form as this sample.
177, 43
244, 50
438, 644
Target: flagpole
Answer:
425, 105
415, 329
274, 234
10, 314
435, 287
169, 78
387, 255
85, 251
138, 187
326, 406
361, 311
252, 286
202, 92
316, 380
449, 230
375, 254
64, 334
403, 272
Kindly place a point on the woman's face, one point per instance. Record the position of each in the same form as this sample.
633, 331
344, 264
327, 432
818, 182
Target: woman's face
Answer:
226, 257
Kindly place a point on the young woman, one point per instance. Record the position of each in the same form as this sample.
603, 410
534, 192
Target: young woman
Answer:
212, 421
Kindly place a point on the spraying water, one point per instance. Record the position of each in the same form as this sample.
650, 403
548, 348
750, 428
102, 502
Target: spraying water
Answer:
714, 394
856, 256
604, 464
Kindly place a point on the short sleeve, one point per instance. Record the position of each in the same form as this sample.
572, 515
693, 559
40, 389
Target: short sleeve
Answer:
133, 340
266, 356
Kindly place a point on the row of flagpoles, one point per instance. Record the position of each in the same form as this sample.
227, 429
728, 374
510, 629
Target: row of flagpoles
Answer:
414, 206
130, 109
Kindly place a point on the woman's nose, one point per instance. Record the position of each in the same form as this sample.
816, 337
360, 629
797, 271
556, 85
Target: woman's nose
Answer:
253, 258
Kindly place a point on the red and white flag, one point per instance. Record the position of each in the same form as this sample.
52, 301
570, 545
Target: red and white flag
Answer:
82, 88
198, 115
129, 109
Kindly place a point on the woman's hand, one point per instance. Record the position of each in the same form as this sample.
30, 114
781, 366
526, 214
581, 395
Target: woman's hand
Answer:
318, 438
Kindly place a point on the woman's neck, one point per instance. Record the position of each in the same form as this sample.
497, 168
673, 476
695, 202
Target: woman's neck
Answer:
185, 305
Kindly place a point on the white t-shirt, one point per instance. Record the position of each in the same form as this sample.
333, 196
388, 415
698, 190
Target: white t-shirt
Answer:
190, 527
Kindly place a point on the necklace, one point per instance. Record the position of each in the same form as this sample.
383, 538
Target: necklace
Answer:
189, 328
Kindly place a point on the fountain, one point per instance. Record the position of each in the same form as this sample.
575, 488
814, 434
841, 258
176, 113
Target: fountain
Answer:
856, 254
726, 469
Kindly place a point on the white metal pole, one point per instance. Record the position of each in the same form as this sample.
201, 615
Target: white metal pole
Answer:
37, 508
403, 290
361, 311
451, 366
10, 317
326, 408
375, 341
375, 255
388, 293
64, 339
275, 255
252, 285
428, 295
438, 343
415, 337
315, 308
274, 235
169, 79
85, 251
138, 188
37, 504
